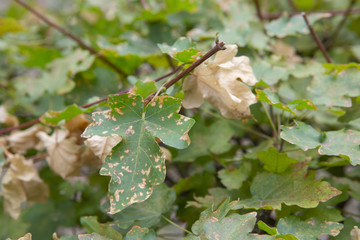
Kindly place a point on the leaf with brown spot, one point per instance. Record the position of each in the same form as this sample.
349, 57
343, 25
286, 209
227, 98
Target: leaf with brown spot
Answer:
137, 164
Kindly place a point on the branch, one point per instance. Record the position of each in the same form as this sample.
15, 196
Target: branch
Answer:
317, 40
218, 46
332, 13
33, 122
73, 37
258, 10
337, 30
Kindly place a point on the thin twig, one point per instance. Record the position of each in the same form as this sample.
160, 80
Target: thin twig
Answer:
271, 121
218, 46
176, 225
33, 122
317, 40
258, 10
73, 37
268, 16
338, 28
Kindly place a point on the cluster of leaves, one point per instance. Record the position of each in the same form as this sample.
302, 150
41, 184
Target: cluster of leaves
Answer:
267, 145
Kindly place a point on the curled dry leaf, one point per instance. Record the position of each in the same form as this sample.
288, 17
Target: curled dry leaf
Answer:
224, 83
21, 141
102, 146
77, 125
7, 119
64, 154
355, 233
21, 183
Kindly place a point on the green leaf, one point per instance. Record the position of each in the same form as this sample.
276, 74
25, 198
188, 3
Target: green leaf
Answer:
274, 161
334, 90
149, 212
340, 67
349, 224
295, 187
183, 50
235, 227
285, 26
9, 25
207, 140
266, 228
139, 233
144, 88
213, 199
309, 229
136, 164
92, 225
303, 135
343, 143
93, 236
270, 75
302, 104
53, 117
272, 99
233, 178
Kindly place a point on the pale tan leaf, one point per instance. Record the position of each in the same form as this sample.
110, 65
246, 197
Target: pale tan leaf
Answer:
64, 154
102, 146
90, 159
21, 141
224, 83
21, 183
77, 125
355, 233
7, 119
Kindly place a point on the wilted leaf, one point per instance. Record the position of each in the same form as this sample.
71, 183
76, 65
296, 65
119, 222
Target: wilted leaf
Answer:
139, 233
102, 146
136, 164
355, 233
344, 143
309, 229
64, 153
295, 187
21, 141
274, 161
149, 212
21, 183
207, 140
223, 82
92, 225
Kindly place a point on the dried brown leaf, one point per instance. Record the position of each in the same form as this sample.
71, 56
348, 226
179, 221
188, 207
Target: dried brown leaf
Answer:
21, 183
102, 146
21, 141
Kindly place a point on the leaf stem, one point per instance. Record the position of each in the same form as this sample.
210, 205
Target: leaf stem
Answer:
317, 40
73, 37
271, 121
176, 225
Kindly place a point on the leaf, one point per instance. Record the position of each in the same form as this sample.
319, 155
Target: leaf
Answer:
93, 236
9, 25
340, 67
235, 227
139, 233
213, 199
344, 143
21, 183
345, 232
102, 146
136, 164
355, 233
183, 50
64, 153
53, 117
309, 229
285, 26
272, 99
207, 140
233, 178
268, 73
21, 141
266, 228
295, 187
144, 88
334, 90
147, 213
92, 225
223, 82
274, 161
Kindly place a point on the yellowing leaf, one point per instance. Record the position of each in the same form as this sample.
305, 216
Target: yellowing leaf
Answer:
64, 154
222, 82
355, 233
21, 183
21, 141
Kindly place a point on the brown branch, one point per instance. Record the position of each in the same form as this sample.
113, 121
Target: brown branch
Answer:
332, 13
258, 10
73, 37
218, 46
338, 28
317, 40
33, 122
